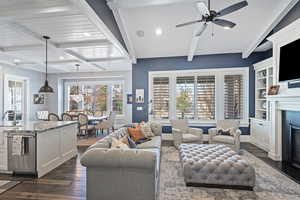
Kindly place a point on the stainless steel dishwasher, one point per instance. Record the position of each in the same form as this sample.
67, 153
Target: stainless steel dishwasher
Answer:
26, 162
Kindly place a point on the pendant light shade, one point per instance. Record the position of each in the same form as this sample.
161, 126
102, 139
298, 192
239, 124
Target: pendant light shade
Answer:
46, 87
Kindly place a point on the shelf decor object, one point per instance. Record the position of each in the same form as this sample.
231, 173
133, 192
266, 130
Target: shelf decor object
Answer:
273, 90
46, 88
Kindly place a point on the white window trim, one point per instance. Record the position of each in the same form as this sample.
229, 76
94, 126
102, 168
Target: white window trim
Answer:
219, 75
109, 98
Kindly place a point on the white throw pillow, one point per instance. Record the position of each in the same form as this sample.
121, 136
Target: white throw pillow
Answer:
118, 144
146, 130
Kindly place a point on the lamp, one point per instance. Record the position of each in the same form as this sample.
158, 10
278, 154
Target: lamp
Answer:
46, 87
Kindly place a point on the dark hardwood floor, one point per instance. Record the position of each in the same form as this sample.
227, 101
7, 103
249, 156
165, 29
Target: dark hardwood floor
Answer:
67, 182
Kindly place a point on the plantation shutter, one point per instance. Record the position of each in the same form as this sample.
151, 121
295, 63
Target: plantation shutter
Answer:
233, 97
161, 98
185, 87
206, 97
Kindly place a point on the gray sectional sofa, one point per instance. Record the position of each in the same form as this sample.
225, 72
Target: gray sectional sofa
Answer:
127, 174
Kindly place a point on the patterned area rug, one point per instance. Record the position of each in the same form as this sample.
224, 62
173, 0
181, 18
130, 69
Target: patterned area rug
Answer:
6, 185
270, 184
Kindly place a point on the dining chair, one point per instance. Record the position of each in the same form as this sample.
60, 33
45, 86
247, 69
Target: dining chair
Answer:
66, 117
98, 113
53, 117
84, 126
104, 124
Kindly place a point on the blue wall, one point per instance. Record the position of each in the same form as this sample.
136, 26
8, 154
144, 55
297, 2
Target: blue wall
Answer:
143, 66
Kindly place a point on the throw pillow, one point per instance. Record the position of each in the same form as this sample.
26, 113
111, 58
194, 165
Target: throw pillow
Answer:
146, 129
143, 140
131, 143
135, 133
118, 144
227, 132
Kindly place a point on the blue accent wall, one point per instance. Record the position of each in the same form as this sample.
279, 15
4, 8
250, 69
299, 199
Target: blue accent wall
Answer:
144, 66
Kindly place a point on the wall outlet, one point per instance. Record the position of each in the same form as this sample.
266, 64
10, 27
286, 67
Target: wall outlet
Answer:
139, 108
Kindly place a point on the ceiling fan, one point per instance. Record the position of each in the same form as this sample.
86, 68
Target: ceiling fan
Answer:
212, 16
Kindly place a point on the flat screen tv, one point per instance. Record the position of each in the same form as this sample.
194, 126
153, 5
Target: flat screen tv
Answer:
289, 67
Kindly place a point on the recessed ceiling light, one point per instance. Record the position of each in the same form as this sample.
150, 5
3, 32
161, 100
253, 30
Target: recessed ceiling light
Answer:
61, 57
140, 33
17, 61
158, 31
87, 34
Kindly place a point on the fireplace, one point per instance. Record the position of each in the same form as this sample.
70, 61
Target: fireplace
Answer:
291, 138
295, 146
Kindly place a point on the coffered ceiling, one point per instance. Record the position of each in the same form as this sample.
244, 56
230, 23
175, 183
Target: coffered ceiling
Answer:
77, 36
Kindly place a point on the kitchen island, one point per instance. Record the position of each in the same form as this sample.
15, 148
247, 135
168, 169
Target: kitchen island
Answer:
45, 146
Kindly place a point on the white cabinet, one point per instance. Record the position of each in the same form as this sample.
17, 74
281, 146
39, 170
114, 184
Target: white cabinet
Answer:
260, 125
260, 130
3, 151
54, 147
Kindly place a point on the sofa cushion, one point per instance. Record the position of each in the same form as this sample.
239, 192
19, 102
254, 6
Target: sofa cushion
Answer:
223, 139
136, 134
119, 144
155, 142
146, 129
189, 138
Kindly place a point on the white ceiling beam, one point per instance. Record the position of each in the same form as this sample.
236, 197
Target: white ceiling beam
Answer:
54, 46
107, 59
117, 12
85, 8
144, 3
83, 60
284, 8
90, 43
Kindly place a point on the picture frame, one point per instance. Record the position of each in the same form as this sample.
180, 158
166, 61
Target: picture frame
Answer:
139, 96
38, 99
273, 90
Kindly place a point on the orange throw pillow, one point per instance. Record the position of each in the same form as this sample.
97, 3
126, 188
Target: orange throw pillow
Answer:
136, 134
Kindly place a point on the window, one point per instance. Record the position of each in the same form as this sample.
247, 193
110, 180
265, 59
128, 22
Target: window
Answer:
15, 101
160, 98
185, 87
206, 97
117, 99
202, 96
94, 96
233, 96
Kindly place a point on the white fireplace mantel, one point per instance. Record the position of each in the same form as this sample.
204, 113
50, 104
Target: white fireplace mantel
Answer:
287, 99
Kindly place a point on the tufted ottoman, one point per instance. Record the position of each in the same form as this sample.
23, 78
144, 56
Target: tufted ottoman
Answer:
215, 165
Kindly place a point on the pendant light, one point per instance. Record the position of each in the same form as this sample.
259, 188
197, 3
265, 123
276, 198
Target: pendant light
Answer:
46, 88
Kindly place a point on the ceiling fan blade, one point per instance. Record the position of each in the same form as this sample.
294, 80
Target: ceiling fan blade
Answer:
202, 8
232, 8
224, 23
189, 23
203, 27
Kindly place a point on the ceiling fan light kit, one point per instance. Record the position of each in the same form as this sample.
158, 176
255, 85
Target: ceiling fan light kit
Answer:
211, 16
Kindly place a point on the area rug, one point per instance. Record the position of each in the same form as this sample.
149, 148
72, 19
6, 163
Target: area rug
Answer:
6, 185
270, 184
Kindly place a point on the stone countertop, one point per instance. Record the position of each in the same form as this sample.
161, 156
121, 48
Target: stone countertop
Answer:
35, 126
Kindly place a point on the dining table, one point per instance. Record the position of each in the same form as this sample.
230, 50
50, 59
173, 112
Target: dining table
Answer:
93, 119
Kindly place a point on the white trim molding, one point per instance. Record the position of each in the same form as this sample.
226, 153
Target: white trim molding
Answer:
219, 73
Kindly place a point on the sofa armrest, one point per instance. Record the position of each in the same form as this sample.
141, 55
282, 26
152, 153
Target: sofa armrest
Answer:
212, 132
237, 135
119, 158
